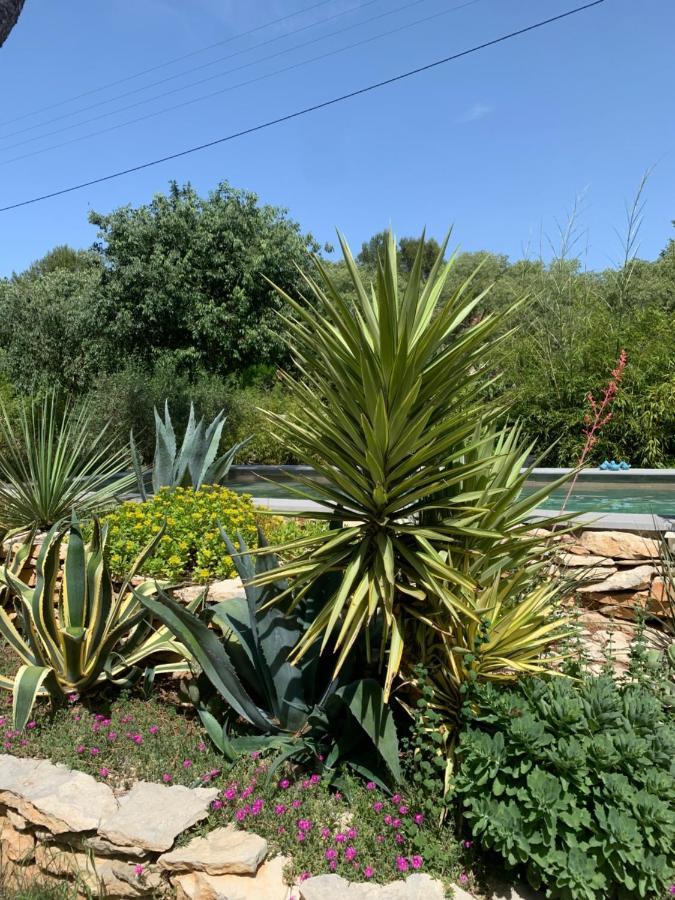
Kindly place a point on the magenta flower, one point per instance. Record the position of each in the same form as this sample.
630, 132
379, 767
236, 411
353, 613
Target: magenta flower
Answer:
368, 871
396, 799
398, 837
94, 751
80, 748
240, 815
279, 809
255, 754
30, 725
284, 784
401, 863
325, 833
300, 836
296, 804
187, 763
418, 818
138, 870
340, 838
112, 736
416, 862
303, 876
388, 819
379, 838
330, 853
201, 746
463, 878
350, 853
315, 779
467, 845
377, 806
371, 786
305, 824
231, 793
351, 833
217, 804
166, 778
403, 810
103, 772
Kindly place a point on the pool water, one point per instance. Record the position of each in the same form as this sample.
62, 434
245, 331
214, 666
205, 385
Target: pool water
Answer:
601, 496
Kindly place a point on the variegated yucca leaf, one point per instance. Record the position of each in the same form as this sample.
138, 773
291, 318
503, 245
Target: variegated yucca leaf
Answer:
74, 629
418, 468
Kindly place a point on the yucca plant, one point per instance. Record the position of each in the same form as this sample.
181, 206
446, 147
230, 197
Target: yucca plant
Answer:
51, 465
419, 469
73, 629
194, 464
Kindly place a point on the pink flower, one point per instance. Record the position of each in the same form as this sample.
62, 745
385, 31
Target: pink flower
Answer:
103, 772
377, 806
403, 810
303, 876
467, 845
138, 870
416, 862
350, 853
80, 748
396, 799
30, 725
201, 746
112, 736
255, 754
136, 738
325, 833
305, 824
230, 793
398, 837
73, 698
351, 833
388, 819
315, 779
330, 853
240, 815
284, 784
401, 863
296, 804
279, 809
94, 751
340, 838
371, 786
368, 871
166, 778
418, 818
217, 804
463, 878
379, 838
300, 836
187, 763
257, 807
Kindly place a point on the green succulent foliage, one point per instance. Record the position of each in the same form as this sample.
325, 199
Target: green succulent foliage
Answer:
394, 414
293, 707
573, 783
196, 462
51, 465
75, 629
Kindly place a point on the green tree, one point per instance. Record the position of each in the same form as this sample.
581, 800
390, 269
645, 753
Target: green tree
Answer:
185, 275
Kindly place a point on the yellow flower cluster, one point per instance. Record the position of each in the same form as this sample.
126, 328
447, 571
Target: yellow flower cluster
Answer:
191, 546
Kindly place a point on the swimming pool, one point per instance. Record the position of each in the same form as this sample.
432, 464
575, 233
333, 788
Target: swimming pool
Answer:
638, 492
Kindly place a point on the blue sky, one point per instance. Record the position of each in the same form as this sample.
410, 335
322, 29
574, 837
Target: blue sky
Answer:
498, 144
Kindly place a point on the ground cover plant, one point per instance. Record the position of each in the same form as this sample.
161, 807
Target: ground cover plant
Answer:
572, 783
191, 545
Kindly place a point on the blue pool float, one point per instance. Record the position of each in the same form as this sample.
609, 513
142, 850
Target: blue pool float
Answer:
614, 466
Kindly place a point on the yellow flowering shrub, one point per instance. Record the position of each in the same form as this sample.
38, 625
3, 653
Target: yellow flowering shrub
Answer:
192, 547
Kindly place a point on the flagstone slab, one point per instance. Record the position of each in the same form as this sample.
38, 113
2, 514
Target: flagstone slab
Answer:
224, 851
52, 796
333, 887
151, 816
268, 884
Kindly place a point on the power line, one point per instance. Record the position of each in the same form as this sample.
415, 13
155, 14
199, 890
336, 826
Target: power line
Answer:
213, 62
302, 112
239, 84
169, 62
216, 76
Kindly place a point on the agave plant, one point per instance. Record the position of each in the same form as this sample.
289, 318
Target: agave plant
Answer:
51, 465
195, 464
417, 466
293, 708
73, 630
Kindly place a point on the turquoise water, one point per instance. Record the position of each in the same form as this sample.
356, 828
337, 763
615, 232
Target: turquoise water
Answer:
648, 498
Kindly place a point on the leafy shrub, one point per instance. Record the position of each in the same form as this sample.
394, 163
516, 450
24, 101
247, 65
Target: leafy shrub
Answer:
245, 419
574, 782
288, 531
191, 545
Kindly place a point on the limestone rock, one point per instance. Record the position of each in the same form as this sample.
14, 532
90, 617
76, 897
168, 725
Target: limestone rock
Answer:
54, 797
115, 878
225, 851
16, 845
151, 816
268, 884
334, 887
627, 580
595, 573
218, 591
619, 545
16, 820
101, 847
576, 560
